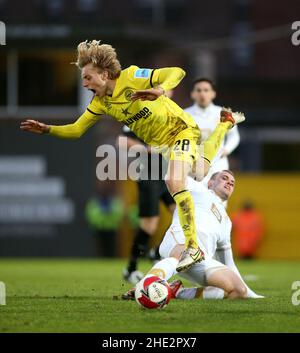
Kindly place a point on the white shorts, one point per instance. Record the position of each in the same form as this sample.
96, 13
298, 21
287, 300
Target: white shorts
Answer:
198, 273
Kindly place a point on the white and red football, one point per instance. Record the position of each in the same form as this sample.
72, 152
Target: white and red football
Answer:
152, 292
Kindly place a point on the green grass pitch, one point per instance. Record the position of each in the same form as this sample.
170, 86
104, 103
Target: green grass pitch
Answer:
76, 296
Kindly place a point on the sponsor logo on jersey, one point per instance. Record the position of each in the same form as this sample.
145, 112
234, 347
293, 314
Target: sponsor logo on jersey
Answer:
144, 113
216, 212
142, 73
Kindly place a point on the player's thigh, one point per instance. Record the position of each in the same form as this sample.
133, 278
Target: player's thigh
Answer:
200, 272
200, 169
176, 175
225, 279
196, 274
183, 153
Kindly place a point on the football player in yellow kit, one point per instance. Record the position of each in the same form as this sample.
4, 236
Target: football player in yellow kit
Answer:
136, 98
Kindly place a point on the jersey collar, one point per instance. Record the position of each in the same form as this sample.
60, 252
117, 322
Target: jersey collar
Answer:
218, 198
200, 110
117, 87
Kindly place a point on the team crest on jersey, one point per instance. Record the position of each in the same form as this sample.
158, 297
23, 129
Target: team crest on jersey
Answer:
216, 212
128, 94
142, 73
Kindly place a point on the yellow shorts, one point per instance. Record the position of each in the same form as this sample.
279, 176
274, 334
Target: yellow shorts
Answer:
186, 146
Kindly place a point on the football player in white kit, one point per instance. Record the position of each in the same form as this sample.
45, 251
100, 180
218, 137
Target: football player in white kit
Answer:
206, 114
217, 276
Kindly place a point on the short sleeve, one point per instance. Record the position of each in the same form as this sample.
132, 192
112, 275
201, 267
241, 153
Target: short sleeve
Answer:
140, 77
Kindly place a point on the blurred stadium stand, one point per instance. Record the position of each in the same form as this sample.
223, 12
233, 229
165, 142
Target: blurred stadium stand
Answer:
244, 45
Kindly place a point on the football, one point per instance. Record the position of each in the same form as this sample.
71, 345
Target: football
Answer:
153, 293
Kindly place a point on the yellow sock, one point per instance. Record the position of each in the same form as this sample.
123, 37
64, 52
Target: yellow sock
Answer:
186, 213
213, 143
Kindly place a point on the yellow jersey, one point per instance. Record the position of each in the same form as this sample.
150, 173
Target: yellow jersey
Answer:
155, 122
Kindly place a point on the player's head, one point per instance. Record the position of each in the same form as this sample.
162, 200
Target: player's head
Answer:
98, 64
203, 92
222, 183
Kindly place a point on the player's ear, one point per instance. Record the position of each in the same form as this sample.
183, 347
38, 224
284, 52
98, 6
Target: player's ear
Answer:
214, 94
210, 184
192, 95
105, 75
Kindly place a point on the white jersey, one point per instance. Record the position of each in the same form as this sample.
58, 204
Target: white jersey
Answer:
212, 222
207, 119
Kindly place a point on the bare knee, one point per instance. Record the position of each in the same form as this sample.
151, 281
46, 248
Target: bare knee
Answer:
237, 291
227, 280
177, 251
175, 185
241, 291
176, 176
200, 169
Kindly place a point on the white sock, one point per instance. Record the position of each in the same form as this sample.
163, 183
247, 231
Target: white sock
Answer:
164, 269
213, 293
186, 293
207, 293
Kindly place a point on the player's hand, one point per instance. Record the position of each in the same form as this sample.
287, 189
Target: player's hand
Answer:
148, 94
34, 126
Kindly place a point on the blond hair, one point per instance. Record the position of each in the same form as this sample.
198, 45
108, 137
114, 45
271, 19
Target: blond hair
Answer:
102, 56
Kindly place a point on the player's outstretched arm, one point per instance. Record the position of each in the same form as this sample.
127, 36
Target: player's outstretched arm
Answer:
69, 131
232, 141
34, 126
162, 80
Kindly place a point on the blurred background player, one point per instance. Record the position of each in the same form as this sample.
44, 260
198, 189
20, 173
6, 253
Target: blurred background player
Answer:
218, 271
248, 230
206, 115
104, 213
